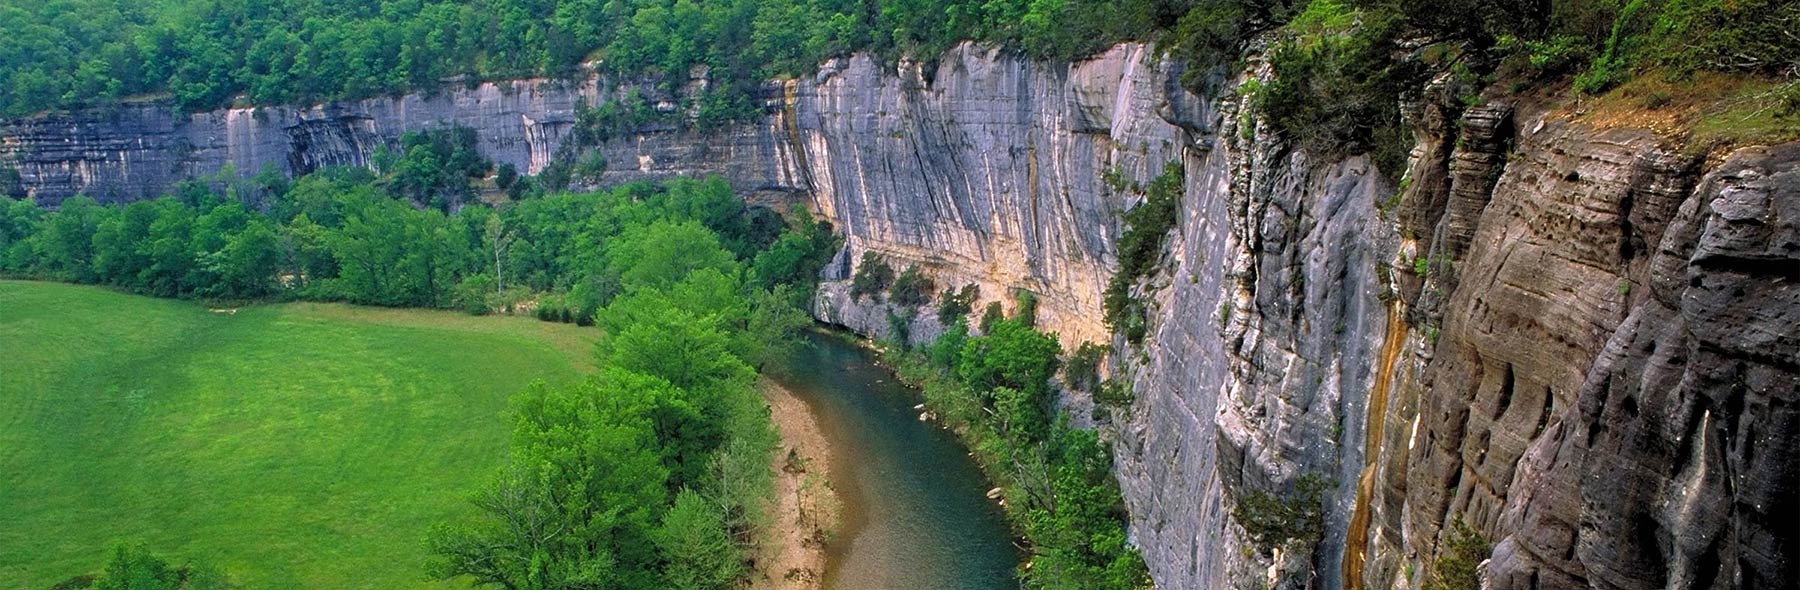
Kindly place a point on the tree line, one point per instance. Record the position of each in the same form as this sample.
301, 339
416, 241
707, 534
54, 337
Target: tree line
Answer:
208, 53
995, 387
649, 474
345, 235
653, 473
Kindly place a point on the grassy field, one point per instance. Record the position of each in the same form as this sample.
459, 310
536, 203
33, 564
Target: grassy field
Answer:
292, 445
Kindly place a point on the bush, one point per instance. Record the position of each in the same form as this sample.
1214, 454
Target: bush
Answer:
133, 568
1147, 228
873, 276
1272, 521
900, 328
1337, 90
1028, 306
590, 168
955, 304
1115, 393
944, 351
1082, 372
1459, 559
473, 294
992, 315
11, 183
506, 176
913, 288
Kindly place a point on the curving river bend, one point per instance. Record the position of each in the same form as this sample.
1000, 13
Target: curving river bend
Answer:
915, 511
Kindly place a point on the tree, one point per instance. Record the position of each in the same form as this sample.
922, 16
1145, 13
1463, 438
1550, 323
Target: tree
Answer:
692, 353
578, 506
499, 238
913, 288
774, 327
873, 276
19, 221
955, 304
661, 253
797, 255
1010, 354
248, 264
66, 244
369, 248
697, 547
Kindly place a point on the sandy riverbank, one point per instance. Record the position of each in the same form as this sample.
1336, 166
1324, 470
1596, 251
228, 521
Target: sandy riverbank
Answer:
804, 511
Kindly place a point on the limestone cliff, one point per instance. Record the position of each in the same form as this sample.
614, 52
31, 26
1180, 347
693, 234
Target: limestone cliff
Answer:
1579, 341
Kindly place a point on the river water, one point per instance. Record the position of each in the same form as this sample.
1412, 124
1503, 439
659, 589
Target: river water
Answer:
916, 514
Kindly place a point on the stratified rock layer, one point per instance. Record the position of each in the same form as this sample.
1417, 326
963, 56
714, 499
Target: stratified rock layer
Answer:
1578, 341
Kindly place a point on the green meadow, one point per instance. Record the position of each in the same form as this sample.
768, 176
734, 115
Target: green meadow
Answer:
297, 445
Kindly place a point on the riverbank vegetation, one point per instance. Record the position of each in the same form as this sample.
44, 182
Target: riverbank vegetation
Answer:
994, 389
650, 473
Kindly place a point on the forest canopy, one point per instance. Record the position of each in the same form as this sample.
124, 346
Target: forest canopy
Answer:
1362, 53
208, 53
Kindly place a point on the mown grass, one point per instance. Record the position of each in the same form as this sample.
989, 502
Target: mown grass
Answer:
293, 445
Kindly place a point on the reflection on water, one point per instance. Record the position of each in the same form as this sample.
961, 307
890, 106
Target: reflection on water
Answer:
916, 512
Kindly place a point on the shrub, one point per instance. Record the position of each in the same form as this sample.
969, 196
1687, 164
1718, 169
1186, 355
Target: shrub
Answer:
1028, 306
1082, 372
1114, 393
873, 276
955, 304
473, 293
1272, 521
1459, 559
590, 168
912, 288
505, 176
1147, 228
11, 183
1336, 90
900, 328
992, 315
133, 568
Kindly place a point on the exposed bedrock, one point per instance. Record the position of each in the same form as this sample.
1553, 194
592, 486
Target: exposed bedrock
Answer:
1579, 341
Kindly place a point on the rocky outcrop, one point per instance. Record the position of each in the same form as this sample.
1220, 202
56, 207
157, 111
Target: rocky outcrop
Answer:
1579, 341
140, 150
1672, 465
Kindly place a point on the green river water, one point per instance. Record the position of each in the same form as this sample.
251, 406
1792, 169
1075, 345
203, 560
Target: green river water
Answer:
916, 514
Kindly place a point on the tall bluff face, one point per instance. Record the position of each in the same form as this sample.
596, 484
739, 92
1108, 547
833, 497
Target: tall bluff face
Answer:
1579, 342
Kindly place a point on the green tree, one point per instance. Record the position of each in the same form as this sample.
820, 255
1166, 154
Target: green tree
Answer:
19, 221
798, 255
873, 276
697, 546
65, 245
912, 288
248, 264
659, 254
694, 354
1010, 354
774, 327
580, 503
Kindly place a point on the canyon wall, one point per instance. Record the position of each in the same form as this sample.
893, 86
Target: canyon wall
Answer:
1579, 341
